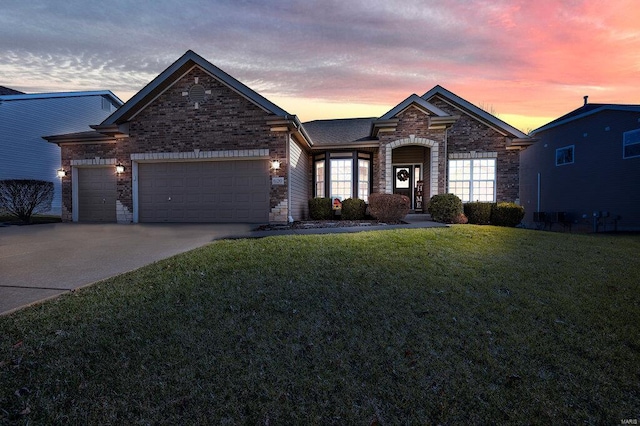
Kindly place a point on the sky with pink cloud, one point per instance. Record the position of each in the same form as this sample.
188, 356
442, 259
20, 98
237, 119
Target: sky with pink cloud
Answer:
527, 61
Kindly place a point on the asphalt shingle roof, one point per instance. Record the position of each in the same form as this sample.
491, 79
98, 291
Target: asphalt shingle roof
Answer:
7, 91
329, 132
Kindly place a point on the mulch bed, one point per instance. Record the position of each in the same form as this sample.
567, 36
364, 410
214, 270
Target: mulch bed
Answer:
310, 224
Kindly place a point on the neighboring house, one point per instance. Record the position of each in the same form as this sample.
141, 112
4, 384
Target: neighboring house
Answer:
584, 169
25, 118
8, 91
196, 145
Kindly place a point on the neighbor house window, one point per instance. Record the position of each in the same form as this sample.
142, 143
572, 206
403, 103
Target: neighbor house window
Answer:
473, 180
631, 144
320, 178
341, 178
343, 174
564, 155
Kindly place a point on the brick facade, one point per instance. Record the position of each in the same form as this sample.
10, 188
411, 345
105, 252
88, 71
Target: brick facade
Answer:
469, 135
193, 111
223, 121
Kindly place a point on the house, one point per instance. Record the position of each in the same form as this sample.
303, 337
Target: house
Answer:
584, 168
8, 91
25, 118
196, 145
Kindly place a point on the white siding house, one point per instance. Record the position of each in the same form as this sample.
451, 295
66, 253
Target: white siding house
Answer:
26, 118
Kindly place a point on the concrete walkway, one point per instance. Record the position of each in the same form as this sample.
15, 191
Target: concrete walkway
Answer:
39, 262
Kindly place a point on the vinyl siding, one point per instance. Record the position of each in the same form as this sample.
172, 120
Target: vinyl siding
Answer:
23, 152
598, 180
299, 181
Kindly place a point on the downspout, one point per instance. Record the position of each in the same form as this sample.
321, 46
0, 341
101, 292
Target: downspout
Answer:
446, 159
538, 210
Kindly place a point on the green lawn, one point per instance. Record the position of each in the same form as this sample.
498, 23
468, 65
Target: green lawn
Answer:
460, 325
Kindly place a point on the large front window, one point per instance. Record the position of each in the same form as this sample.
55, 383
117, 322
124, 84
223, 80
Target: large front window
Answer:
343, 175
473, 180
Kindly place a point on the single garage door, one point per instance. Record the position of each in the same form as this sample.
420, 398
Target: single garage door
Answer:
211, 191
97, 194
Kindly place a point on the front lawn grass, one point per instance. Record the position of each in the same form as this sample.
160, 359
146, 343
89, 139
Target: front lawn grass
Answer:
460, 325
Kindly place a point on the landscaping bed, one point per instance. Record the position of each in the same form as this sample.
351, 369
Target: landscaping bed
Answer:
311, 224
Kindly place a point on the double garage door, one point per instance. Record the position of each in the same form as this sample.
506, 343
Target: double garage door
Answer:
214, 191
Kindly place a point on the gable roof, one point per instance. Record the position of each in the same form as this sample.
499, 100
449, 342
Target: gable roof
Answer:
9, 91
173, 73
471, 109
585, 111
57, 95
339, 131
418, 102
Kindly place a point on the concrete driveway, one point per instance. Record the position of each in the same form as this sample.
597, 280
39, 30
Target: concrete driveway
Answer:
42, 261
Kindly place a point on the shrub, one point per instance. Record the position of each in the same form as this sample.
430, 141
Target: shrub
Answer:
445, 208
478, 213
389, 207
23, 198
320, 208
461, 219
353, 209
506, 214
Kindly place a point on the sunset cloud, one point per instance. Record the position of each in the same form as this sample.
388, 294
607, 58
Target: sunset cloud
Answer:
524, 59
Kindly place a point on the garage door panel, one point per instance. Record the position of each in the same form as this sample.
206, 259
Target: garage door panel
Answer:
97, 194
222, 191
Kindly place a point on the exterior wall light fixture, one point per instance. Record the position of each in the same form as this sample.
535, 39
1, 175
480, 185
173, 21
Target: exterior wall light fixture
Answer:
61, 173
119, 168
275, 165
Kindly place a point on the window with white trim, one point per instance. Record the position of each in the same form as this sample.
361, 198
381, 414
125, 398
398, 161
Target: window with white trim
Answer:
343, 174
565, 155
631, 144
341, 178
320, 178
473, 179
363, 179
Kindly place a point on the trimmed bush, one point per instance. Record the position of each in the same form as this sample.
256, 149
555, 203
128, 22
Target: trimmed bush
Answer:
507, 214
320, 208
353, 209
445, 208
478, 213
461, 219
389, 207
23, 198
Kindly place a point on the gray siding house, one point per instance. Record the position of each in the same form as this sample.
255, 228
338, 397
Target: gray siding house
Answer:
26, 118
584, 170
